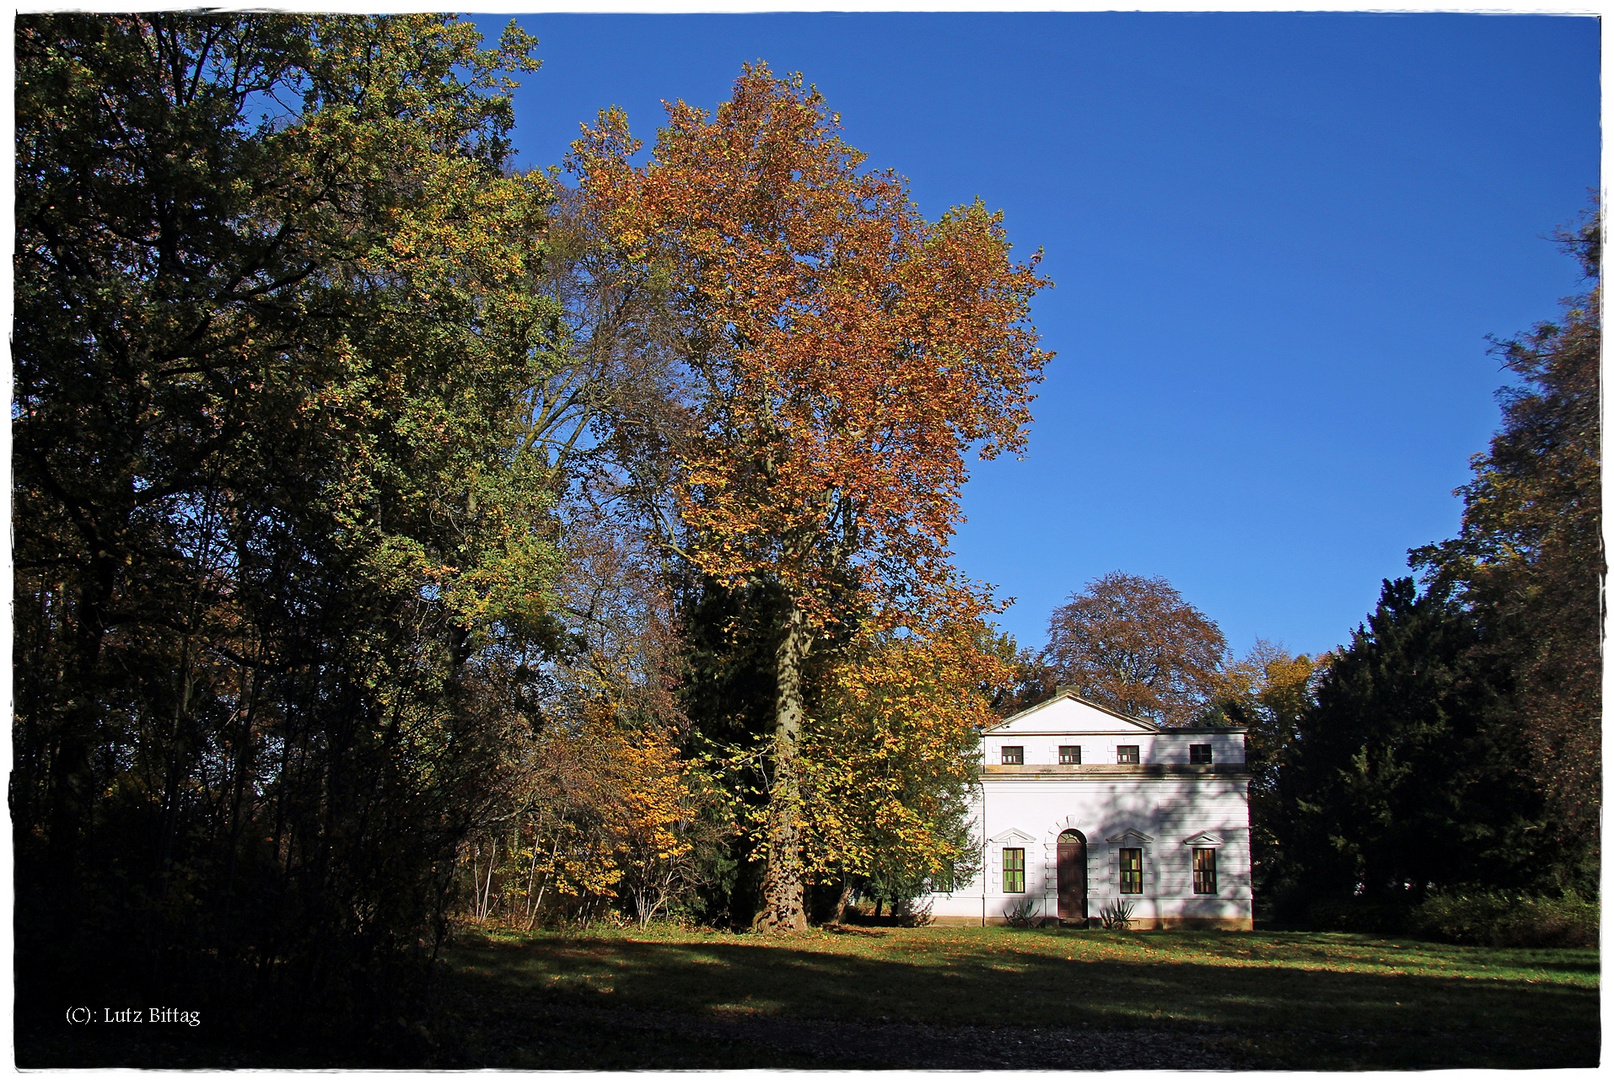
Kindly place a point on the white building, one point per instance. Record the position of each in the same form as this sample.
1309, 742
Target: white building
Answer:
1080, 808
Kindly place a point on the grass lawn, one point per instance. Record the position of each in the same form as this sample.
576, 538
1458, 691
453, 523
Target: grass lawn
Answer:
974, 997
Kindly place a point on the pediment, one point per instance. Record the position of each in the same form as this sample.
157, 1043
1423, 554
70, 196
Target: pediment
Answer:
1068, 714
1204, 839
1013, 836
1130, 836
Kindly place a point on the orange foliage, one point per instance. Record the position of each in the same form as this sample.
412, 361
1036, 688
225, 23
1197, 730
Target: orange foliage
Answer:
842, 354
608, 823
847, 352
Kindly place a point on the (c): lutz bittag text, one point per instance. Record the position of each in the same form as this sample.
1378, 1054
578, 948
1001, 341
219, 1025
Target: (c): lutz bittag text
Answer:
153, 1015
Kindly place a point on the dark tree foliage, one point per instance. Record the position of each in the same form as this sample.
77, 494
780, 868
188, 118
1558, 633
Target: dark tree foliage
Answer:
1396, 783
1032, 679
1268, 692
276, 563
1529, 559
727, 691
730, 636
1456, 741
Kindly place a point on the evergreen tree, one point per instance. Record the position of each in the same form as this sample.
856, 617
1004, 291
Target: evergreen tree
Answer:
1529, 561
1397, 783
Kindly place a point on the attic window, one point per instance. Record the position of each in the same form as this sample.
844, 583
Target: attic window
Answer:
1126, 755
1070, 755
1199, 754
1014, 755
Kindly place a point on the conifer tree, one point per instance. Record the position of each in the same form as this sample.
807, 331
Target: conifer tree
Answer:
1530, 561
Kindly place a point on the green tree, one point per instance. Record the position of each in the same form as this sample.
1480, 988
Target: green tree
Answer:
1031, 679
1395, 784
891, 759
1530, 562
277, 553
1269, 693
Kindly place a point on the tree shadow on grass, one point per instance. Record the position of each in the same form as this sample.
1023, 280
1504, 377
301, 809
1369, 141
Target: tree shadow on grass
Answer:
1264, 1016
1041, 1001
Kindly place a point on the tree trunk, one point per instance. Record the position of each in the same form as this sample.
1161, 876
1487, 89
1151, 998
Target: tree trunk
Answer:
71, 777
843, 901
782, 909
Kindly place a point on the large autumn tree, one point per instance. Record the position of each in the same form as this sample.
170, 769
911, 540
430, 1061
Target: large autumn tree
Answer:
842, 355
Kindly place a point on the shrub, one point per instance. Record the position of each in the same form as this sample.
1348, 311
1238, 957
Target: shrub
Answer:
1118, 916
1496, 918
1022, 914
1357, 916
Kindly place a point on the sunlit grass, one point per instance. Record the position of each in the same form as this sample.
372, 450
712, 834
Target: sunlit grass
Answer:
1300, 1000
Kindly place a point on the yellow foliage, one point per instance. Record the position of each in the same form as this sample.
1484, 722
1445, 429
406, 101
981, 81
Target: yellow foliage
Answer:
893, 751
608, 819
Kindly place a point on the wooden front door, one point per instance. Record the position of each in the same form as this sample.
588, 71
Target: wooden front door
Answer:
1072, 877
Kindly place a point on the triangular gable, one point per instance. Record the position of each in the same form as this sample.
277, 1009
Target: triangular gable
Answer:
1013, 836
1067, 714
1129, 835
1204, 839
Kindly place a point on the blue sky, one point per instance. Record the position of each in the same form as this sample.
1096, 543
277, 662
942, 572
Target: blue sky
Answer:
1278, 243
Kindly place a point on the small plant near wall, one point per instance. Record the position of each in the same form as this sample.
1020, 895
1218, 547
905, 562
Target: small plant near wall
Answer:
1117, 916
1023, 913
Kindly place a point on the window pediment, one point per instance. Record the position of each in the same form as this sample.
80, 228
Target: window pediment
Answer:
1204, 839
1013, 836
1129, 835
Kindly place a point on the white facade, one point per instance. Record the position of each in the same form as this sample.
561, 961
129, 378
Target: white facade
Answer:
1133, 813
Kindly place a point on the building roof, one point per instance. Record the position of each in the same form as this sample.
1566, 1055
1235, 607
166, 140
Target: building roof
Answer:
1148, 726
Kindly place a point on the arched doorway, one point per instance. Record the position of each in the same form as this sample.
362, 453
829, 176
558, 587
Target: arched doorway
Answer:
1072, 877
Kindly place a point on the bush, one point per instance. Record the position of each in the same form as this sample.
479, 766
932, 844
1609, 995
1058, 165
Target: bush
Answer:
1117, 916
1357, 915
1022, 914
1495, 918
909, 915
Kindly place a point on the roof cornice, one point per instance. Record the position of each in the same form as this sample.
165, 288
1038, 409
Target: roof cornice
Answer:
1146, 725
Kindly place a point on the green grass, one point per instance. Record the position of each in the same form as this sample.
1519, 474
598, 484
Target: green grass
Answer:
1268, 999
